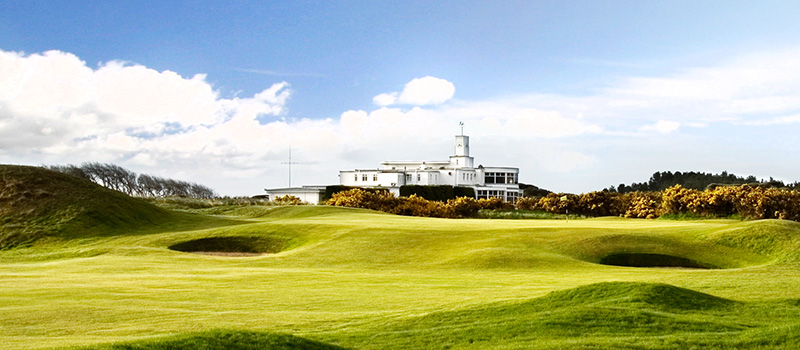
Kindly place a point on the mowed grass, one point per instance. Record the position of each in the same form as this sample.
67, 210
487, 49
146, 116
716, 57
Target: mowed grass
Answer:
359, 279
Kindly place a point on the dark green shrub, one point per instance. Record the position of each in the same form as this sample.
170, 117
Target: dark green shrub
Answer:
459, 191
333, 189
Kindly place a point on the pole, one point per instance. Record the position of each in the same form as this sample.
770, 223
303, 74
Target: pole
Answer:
290, 165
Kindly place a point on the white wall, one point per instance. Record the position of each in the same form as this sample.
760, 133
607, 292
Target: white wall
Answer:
374, 178
311, 197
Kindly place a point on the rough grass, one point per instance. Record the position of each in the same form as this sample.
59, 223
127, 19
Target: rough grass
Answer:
37, 202
360, 279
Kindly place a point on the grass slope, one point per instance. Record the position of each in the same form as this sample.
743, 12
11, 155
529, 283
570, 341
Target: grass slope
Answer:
365, 280
223, 339
37, 202
605, 315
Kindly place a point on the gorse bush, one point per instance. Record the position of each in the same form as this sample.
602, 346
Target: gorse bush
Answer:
464, 207
642, 205
440, 193
746, 201
359, 198
751, 202
413, 205
287, 200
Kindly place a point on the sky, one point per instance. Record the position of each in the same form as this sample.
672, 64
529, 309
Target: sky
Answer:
579, 95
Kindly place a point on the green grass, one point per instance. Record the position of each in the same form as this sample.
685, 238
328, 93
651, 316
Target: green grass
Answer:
360, 279
607, 315
525, 214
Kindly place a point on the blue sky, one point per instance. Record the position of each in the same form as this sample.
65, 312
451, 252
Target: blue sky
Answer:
580, 94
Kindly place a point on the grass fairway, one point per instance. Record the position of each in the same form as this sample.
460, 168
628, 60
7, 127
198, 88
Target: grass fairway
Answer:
352, 278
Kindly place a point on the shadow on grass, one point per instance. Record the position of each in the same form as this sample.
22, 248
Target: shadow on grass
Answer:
222, 339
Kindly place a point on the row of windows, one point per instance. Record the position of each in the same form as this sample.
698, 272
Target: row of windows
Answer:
410, 177
365, 177
435, 177
510, 197
500, 178
485, 194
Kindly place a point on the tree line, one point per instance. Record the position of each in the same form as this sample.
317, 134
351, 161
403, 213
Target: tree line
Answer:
695, 180
141, 185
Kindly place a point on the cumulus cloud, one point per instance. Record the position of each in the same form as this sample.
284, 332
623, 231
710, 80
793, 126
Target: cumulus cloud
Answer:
57, 90
54, 104
56, 109
387, 99
419, 92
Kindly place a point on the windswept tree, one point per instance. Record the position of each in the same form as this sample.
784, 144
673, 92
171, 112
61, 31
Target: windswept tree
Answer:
150, 186
123, 180
70, 169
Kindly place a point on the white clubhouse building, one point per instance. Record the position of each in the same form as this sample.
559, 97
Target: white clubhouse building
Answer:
460, 170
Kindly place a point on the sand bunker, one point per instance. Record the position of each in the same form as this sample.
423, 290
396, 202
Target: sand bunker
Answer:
235, 246
653, 260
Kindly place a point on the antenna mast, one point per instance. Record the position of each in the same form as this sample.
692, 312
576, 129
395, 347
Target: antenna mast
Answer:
290, 165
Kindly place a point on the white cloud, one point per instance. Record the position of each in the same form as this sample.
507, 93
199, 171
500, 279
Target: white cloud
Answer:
546, 124
427, 91
55, 109
419, 92
54, 106
783, 120
662, 126
748, 87
385, 99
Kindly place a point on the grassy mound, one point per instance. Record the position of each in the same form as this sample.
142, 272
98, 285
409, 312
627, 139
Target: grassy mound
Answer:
245, 245
644, 295
778, 239
604, 310
36, 202
223, 339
